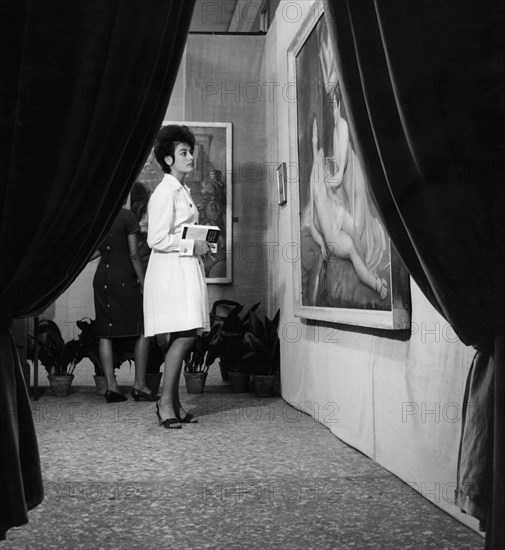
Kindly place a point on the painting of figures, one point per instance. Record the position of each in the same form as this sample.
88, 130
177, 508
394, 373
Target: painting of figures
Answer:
348, 269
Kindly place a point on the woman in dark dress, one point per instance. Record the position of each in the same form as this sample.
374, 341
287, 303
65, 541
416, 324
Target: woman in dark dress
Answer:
139, 196
118, 285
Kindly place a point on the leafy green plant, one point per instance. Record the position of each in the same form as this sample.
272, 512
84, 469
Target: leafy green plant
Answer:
198, 359
89, 340
57, 356
263, 342
60, 357
229, 344
122, 350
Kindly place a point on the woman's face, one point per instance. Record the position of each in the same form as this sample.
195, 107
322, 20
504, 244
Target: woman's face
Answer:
183, 159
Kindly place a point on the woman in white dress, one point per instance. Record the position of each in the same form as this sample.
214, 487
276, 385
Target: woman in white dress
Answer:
175, 292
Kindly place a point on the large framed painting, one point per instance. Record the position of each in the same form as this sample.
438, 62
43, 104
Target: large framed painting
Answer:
210, 184
348, 272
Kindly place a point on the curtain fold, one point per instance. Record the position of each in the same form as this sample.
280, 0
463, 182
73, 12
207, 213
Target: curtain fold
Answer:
424, 83
84, 90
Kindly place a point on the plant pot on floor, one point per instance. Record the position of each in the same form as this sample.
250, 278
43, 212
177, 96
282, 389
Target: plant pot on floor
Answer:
153, 380
239, 381
264, 384
60, 384
195, 381
100, 384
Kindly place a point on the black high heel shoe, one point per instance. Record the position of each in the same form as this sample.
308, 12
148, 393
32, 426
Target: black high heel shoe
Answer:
139, 394
114, 397
188, 419
169, 423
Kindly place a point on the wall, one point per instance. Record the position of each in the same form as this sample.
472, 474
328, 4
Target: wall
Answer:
223, 84
397, 401
215, 84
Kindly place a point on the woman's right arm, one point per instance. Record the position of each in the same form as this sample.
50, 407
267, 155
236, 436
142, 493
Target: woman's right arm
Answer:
340, 144
161, 216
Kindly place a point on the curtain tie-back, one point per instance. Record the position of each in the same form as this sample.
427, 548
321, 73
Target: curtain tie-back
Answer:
485, 347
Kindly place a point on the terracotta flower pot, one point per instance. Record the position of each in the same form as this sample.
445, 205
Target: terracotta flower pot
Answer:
60, 384
195, 381
239, 381
264, 384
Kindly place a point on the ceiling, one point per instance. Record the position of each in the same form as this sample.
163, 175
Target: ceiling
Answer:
232, 16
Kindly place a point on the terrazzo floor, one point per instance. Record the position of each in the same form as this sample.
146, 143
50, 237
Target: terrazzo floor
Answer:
252, 474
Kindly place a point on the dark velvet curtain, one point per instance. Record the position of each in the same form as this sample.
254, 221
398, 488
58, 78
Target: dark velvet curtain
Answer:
84, 88
424, 83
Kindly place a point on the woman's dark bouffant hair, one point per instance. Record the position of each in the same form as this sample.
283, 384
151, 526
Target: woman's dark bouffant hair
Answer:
139, 197
167, 140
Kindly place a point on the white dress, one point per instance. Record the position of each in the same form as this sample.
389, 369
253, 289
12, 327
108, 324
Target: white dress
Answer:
175, 292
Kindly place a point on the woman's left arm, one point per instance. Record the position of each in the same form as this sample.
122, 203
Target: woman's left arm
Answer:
135, 258
161, 217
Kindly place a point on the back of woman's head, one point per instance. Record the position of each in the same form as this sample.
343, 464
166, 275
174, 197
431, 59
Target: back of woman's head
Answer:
139, 197
166, 142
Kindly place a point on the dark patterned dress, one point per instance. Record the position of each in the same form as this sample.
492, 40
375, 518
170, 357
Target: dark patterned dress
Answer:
118, 299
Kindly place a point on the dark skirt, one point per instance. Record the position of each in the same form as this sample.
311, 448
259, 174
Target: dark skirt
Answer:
118, 299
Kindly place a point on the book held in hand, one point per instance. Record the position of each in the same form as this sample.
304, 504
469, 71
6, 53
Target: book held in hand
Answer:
209, 233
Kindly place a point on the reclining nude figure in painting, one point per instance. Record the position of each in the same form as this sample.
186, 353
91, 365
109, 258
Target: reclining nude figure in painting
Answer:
331, 226
347, 184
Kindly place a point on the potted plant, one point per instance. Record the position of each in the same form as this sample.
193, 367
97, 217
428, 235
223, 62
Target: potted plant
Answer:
229, 344
123, 351
219, 312
58, 357
198, 360
90, 341
263, 341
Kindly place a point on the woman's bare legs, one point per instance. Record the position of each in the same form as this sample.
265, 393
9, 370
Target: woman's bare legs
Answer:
141, 355
169, 402
106, 354
349, 227
345, 249
346, 243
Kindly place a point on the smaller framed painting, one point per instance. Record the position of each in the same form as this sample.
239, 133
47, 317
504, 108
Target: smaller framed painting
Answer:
281, 183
